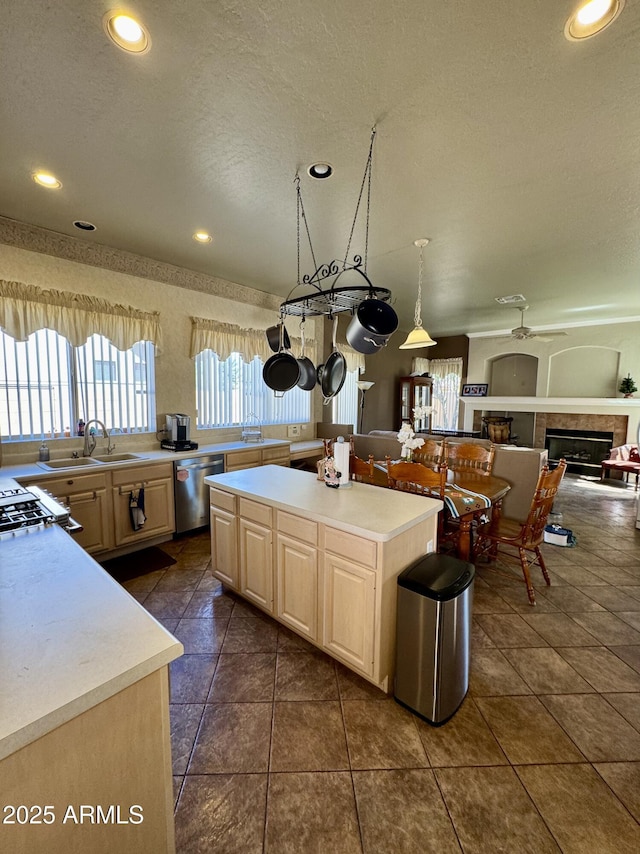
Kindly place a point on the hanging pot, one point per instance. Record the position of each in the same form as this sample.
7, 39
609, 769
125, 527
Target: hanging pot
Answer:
308, 377
273, 337
282, 371
334, 371
372, 325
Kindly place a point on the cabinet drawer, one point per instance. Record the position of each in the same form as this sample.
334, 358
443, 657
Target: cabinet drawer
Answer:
240, 459
75, 483
275, 455
350, 546
298, 527
260, 513
135, 475
221, 499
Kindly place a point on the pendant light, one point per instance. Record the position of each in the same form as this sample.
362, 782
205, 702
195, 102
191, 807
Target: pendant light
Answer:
418, 337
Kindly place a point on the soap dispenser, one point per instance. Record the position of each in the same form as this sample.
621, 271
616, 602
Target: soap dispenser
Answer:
43, 453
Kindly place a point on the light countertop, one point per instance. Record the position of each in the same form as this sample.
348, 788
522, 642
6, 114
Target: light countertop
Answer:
70, 636
31, 469
369, 511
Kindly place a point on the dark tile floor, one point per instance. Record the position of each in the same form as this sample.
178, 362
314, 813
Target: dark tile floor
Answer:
277, 748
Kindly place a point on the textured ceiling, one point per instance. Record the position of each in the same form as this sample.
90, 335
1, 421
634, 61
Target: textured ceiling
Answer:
514, 150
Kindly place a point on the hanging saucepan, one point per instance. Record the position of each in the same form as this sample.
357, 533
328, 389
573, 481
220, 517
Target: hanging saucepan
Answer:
273, 337
308, 377
334, 371
281, 372
372, 325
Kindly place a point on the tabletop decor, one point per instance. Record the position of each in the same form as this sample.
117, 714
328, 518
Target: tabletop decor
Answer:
627, 386
408, 440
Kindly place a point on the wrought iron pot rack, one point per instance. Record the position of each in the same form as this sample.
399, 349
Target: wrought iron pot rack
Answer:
333, 300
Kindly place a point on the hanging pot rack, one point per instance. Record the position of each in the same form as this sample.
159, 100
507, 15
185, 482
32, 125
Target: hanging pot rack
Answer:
334, 300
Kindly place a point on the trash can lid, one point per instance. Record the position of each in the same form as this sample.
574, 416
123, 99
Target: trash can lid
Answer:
437, 576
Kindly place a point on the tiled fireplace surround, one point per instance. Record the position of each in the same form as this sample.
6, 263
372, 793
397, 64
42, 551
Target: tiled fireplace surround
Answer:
616, 424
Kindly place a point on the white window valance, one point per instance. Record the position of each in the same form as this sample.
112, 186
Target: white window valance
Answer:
24, 309
227, 338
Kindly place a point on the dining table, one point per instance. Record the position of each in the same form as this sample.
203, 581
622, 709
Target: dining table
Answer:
469, 494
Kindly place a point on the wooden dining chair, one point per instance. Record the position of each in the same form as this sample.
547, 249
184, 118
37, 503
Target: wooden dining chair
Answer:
361, 470
467, 455
429, 454
414, 477
508, 539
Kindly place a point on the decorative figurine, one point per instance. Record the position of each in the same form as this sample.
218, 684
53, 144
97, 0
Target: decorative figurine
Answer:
331, 475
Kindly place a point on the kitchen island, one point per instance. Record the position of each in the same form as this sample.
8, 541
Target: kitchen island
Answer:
84, 714
322, 561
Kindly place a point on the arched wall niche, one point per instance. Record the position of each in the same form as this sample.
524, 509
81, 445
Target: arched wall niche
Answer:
584, 372
513, 375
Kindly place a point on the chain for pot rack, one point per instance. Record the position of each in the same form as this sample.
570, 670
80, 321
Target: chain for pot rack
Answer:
334, 300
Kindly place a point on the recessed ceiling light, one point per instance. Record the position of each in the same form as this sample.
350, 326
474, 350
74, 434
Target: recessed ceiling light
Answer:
320, 170
83, 225
125, 32
591, 18
45, 179
202, 237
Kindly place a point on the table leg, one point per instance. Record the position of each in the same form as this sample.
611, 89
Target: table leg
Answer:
464, 537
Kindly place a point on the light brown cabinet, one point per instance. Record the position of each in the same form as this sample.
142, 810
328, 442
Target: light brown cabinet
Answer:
256, 561
157, 482
297, 599
256, 455
89, 502
349, 612
335, 588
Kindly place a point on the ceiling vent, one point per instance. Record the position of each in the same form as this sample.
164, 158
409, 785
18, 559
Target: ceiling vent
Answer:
510, 300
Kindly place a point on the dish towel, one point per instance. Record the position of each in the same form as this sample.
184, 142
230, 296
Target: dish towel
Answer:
136, 509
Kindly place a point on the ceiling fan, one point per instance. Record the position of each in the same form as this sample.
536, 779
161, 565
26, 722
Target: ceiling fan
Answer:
525, 333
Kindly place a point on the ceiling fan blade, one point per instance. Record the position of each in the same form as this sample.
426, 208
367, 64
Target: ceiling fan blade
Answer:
548, 336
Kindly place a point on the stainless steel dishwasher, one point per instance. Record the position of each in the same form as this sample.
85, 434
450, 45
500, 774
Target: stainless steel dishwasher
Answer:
191, 492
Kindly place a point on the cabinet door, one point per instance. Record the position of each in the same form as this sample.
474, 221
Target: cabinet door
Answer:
349, 612
224, 547
297, 585
256, 564
89, 504
158, 508
91, 510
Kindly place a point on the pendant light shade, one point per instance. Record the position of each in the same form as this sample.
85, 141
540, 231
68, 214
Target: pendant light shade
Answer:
418, 337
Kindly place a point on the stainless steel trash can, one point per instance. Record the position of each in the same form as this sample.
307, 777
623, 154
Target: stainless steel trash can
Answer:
433, 629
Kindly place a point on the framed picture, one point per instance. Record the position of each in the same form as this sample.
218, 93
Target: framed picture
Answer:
477, 390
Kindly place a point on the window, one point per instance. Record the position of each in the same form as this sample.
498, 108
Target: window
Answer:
47, 385
345, 403
230, 391
447, 377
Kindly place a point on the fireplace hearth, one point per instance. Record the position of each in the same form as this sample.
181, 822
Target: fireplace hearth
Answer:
583, 450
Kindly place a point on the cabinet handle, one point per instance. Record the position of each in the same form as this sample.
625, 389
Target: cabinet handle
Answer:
123, 490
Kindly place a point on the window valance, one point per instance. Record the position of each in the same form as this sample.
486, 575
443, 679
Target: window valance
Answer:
26, 308
227, 338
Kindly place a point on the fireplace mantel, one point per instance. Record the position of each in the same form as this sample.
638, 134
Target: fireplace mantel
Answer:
573, 405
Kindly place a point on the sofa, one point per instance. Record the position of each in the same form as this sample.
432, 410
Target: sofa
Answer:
520, 467
624, 459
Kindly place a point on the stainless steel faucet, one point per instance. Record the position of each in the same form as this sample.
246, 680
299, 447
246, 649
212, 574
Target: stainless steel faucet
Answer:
89, 440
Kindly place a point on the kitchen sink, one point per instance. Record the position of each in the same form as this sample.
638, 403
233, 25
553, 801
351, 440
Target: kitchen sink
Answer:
69, 463
118, 458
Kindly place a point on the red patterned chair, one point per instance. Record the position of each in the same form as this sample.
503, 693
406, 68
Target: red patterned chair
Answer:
625, 459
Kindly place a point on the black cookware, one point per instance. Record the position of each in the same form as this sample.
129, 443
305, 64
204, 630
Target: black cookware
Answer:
308, 377
273, 337
281, 371
334, 370
372, 325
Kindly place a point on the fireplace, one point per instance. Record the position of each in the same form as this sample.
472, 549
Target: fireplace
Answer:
583, 450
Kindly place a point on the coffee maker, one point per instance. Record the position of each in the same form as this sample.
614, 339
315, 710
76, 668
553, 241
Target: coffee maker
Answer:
178, 431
